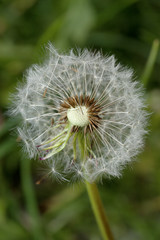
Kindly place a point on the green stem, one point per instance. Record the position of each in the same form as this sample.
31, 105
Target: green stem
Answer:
93, 193
150, 63
98, 210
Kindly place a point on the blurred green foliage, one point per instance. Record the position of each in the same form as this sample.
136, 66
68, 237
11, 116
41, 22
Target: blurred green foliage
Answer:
51, 210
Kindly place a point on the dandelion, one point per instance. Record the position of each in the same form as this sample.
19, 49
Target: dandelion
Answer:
82, 113
84, 116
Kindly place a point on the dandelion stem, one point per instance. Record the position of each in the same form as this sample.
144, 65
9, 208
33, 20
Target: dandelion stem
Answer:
150, 63
93, 194
98, 210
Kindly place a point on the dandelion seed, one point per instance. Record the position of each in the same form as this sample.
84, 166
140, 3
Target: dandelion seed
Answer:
83, 112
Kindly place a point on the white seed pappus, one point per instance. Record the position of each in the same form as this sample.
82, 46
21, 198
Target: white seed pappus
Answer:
110, 129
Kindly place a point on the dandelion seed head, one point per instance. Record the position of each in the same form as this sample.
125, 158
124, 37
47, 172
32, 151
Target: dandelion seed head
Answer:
82, 112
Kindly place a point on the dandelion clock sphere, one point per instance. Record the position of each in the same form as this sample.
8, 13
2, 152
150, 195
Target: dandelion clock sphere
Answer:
82, 114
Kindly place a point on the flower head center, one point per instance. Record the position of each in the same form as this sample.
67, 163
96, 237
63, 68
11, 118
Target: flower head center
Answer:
81, 111
78, 116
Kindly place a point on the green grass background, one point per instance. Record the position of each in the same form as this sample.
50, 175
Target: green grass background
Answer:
61, 211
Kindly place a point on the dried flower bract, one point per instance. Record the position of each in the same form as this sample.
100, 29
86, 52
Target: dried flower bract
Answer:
82, 114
